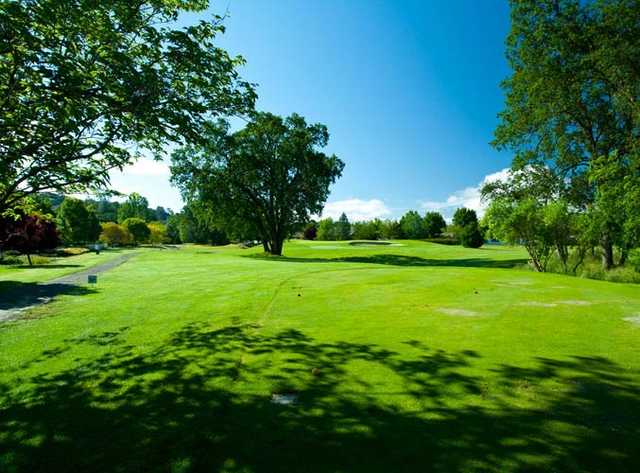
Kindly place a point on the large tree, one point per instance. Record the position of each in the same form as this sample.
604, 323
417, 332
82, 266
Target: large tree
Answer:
136, 206
83, 80
268, 177
412, 225
434, 224
77, 223
574, 94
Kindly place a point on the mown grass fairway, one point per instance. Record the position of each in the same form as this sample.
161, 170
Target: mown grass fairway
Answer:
411, 357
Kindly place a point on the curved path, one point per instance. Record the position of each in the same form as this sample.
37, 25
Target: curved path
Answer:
25, 296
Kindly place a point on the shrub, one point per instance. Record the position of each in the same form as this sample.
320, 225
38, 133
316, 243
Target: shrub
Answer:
138, 229
622, 274
72, 251
310, 231
157, 233
327, 230
434, 224
634, 259
115, 235
28, 234
471, 236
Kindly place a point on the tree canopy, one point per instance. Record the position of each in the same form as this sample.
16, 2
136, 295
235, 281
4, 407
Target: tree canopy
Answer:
80, 81
267, 178
572, 100
76, 223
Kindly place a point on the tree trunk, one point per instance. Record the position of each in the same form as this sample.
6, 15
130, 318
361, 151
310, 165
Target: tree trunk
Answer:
29, 259
623, 256
534, 259
563, 254
276, 247
607, 253
265, 245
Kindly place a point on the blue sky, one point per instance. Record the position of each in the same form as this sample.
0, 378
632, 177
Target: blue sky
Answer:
409, 91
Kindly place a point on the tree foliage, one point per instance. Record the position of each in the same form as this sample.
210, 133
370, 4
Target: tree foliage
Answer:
368, 230
157, 233
327, 230
412, 226
76, 223
136, 206
310, 231
573, 100
267, 178
343, 227
82, 80
196, 225
28, 234
115, 235
138, 229
434, 224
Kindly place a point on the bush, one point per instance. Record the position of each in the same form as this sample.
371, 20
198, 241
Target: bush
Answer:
115, 235
471, 236
622, 274
157, 233
327, 230
434, 224
138, 229
634, 259
36, 259
28, 234
72, 251
310, 231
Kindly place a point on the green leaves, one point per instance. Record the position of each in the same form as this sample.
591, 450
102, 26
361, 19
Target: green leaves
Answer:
266, 179
81, 81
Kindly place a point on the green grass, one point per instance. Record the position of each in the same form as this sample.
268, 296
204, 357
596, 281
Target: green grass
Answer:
55, 267
416, 357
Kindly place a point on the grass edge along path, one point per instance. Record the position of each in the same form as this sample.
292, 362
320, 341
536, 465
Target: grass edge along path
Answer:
22, 297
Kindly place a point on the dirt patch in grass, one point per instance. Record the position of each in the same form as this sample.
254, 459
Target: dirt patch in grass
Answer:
634, 319
539, 304
555, 303
458, 312
513, 283
575, 302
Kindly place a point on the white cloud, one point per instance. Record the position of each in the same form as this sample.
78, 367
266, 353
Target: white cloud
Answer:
468, 197
149, 178
356, 209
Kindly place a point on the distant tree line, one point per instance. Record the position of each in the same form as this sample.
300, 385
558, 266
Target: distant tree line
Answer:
56, 220
465, 228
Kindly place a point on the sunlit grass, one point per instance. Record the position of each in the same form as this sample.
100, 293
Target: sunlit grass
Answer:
411, 357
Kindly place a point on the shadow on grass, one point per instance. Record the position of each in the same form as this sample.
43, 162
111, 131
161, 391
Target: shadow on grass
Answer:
402, 260
19, 295
44, 266
189, 406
